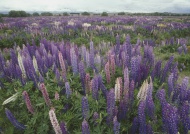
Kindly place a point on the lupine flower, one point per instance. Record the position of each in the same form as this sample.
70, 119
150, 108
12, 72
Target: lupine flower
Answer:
112, 65
13, 120
45, 94
28, 102
91, 56
82, 74
102, 86
107, 70
94, 84
142, 94
117, 90
110, 105
63, 128
184, 116
149, 100
131, 91
170, 83
87, 83
68, 90
20, 62
126, 79
85, 107
116, 125
74, 61
54, 122
35, 64
62, 64
85, 127
142, 117
56, 96
135, 125
95, 117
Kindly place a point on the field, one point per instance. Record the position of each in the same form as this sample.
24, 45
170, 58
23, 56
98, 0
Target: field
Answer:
98, 75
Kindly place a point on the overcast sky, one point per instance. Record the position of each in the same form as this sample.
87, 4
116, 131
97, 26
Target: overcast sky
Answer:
178, 6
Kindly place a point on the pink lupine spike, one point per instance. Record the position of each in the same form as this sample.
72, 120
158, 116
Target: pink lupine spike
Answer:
28, 102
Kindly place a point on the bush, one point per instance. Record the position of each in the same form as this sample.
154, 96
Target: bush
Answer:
121, 13
36, 14
104, 14
86, 13
65, 14
46, 14
14, 13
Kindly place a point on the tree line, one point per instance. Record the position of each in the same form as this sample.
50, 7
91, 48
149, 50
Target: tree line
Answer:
21, 13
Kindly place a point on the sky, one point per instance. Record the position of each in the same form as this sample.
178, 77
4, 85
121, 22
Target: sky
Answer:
175, 6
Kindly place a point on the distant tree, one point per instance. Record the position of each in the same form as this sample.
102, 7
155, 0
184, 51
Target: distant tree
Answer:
35, 14
86, 13
121, 13
104, 14
65, 14
46, 14
14, 13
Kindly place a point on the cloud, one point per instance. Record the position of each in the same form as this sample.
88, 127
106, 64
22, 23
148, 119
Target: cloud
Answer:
98, 5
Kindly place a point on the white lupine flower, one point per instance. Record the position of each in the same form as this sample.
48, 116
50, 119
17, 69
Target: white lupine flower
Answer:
143, 91
86, 25
12, 98
71, 22
35, 64
54, 122
20, 62
117, 90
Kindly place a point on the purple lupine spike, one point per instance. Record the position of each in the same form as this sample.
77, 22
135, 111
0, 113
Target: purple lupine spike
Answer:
28, 102
41, 79
135, 125
107, 70
94, 85
57, 75
117, 44
85, 127
170, 84
87, 83
112, 65
149, 129
131, 91
13, 120
134, 68
115, 111
85, 107
95, 117
166, 69
157, 69
110, 105
183, 92
116, 125
149, 100
82, 74
45, 94
170, 118
74, 63
184, 116
126, 79
161, 96
142, 117
102, 86
63, 128
91, 56
68, 90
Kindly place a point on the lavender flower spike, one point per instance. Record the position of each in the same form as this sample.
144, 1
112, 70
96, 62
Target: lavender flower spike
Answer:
13, 120
85, 127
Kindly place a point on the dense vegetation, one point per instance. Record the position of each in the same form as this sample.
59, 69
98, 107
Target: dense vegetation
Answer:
98, 75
